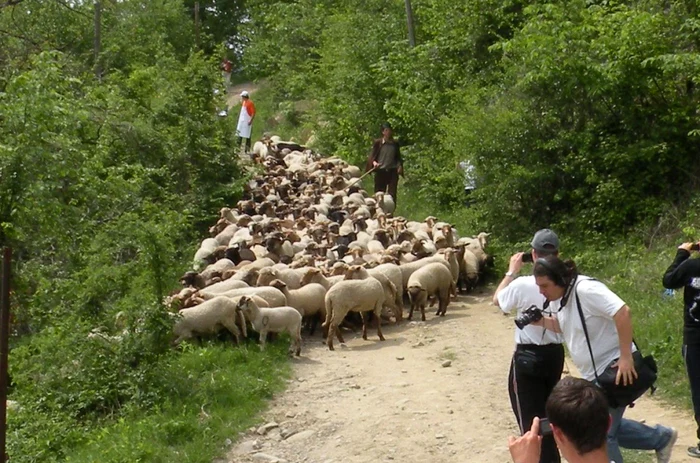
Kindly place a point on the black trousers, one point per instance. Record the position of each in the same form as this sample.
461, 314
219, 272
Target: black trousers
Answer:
528, 392
691, 355
387, 180
247, 143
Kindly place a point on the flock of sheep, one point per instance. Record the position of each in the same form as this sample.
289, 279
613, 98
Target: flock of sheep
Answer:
307, 243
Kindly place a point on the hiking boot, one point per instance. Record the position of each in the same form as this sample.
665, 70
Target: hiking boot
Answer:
663, 455
694, 451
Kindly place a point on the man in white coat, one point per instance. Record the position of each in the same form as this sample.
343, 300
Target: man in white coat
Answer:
245, 120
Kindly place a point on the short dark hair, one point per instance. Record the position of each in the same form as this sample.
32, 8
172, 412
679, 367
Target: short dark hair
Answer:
580, 409
386, 125
557, 270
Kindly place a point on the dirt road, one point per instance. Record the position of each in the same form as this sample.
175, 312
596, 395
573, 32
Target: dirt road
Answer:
435, 391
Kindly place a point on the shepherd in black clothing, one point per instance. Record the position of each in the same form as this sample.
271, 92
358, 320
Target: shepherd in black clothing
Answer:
386, 157
685, 273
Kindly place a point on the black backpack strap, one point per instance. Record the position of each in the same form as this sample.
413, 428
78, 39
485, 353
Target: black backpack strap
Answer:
585, 331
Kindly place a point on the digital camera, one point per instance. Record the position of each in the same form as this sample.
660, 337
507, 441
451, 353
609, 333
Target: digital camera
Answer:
529, 315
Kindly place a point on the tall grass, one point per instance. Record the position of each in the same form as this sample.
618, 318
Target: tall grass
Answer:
215, 392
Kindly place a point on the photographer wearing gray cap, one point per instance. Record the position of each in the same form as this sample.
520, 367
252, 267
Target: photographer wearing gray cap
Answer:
538, 359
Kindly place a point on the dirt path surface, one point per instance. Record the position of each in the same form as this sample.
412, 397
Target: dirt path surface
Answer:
435, 391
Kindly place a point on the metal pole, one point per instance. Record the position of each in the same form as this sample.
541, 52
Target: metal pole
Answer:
409, 21
98, 38
4, 345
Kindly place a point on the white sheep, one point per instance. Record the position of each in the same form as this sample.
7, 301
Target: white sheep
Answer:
408, 269
216, 269
208, 318
273, 296
385, 202
273, 320
468, 268
314, 275
291, 277
226, 234
226, 285
433, 279
353, 296
450, 256
357, 272
206, 249
309, 300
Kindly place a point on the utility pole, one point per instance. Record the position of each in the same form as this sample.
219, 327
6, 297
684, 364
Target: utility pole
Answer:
196, 24
98, 38
409, 21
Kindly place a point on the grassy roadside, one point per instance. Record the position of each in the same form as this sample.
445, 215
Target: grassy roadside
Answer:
216, 391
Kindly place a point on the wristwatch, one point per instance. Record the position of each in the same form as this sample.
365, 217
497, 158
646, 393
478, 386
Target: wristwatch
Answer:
510, 274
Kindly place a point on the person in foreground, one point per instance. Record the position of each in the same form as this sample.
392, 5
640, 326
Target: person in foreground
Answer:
684, 272
578, 415
609, 324
538, 359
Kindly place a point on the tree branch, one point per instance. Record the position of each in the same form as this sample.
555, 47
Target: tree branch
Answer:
10, 3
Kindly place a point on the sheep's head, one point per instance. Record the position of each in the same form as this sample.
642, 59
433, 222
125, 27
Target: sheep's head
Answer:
279, 284
440, 242
310, 276
483, 238
244, 303
339, 268
388, 259
356, 272
266, 276
191, 279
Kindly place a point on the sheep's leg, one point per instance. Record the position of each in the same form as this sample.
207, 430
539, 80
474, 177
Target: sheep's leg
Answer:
377, 313
338, 333
410, 312
447, 300
422, 303
329, 338
233, 329
297, 341
399, 307
263, 338
313, 322
364, 325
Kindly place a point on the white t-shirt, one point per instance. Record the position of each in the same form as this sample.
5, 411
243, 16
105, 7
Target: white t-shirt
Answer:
520, 294
599, 306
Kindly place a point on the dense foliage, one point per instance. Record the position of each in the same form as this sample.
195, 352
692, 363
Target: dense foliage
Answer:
581, 115
106, 185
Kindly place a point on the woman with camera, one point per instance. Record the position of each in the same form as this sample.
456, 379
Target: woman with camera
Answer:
685, 273
538, 359
597, 328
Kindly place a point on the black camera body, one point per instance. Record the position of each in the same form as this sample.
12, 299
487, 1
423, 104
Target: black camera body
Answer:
527, 257
695, 247
529, 315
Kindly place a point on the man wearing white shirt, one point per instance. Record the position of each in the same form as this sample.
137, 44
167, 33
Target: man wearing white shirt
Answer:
538, 359
609, 324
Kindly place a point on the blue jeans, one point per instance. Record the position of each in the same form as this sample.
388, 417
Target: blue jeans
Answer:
632, 434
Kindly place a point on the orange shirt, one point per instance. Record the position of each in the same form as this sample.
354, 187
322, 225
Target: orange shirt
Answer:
249, 107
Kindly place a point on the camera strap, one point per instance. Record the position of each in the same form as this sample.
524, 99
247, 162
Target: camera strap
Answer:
564, 300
